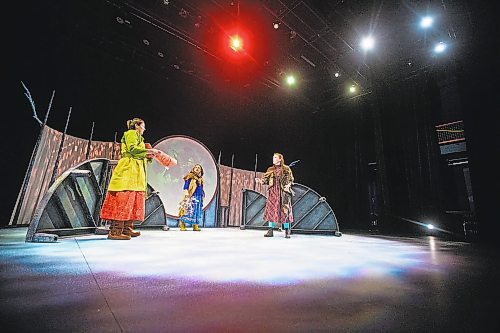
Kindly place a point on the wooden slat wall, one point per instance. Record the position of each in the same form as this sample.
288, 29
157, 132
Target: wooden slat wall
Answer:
74, 152
242, 179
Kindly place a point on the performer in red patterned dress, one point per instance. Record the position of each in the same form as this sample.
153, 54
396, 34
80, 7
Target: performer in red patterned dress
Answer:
278, 209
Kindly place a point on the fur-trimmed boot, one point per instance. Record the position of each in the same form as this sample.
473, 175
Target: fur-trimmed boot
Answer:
269, 233
182, 225
196, 227
116, 231
129, 229
288, 231
270, 230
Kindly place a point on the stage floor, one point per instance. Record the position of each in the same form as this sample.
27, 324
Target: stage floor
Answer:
228, 280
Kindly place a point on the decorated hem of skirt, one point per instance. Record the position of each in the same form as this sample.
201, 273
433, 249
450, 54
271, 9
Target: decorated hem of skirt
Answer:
188, 221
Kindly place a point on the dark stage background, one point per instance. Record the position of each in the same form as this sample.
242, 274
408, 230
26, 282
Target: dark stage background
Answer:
379, 143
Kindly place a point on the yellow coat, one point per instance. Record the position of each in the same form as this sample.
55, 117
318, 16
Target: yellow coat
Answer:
130, 172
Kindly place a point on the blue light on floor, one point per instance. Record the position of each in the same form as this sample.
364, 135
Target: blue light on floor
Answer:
228, 255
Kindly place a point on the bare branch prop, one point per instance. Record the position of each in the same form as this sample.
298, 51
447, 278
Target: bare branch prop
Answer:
32, 102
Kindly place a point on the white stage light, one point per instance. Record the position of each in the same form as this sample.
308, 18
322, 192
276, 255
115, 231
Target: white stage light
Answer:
426, 22
367, 43
440, 47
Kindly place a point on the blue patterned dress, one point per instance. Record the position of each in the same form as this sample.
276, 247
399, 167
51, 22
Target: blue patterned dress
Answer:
194, 210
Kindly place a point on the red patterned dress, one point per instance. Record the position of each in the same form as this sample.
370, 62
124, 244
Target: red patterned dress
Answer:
279, 202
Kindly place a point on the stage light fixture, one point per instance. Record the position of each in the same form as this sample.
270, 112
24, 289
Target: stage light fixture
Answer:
367, 43
430, 226
276, 25
183, 13
352, 89
426, 22
290, 80
337, 74
440, 47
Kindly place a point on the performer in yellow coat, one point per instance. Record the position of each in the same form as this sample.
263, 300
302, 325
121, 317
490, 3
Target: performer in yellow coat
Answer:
125, 200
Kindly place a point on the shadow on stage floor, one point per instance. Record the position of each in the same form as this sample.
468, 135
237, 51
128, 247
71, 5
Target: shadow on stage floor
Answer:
228, 280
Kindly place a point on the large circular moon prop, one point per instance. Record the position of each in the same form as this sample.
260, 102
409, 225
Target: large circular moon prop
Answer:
169, 181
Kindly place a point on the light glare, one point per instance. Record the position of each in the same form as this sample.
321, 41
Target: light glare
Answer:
367, 43
426, 22
236, 43
440, 47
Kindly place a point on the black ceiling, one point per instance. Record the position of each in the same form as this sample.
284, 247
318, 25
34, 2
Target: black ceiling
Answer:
315, 40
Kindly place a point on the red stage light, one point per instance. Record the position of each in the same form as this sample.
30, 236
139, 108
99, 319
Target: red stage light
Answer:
240, 45
236, 43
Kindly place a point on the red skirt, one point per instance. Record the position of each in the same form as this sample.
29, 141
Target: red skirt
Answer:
123, 206
273, 211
